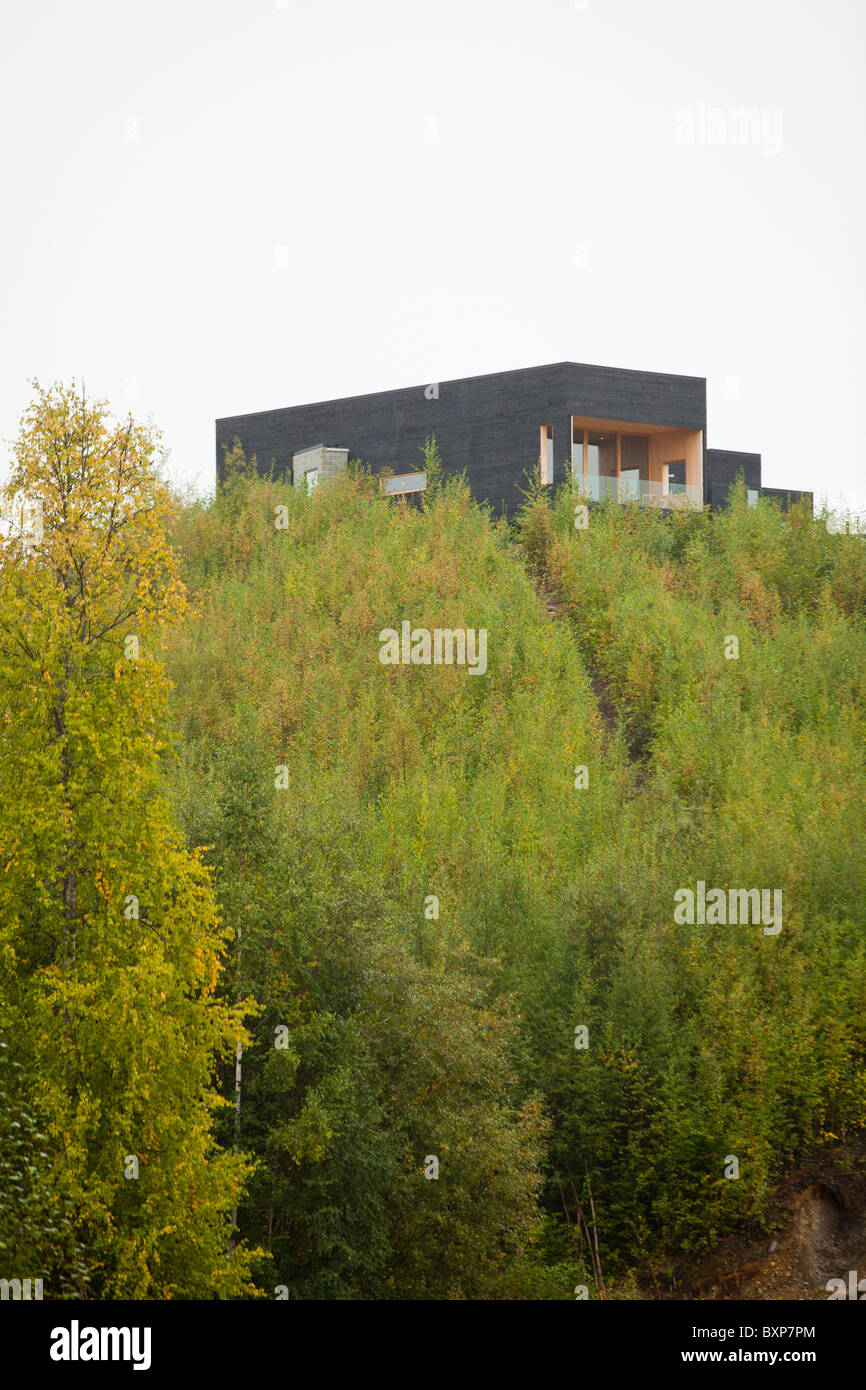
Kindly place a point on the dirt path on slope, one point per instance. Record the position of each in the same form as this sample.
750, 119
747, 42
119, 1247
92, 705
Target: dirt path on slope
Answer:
556, 611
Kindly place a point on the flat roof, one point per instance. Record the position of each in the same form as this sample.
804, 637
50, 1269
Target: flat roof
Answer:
461, 380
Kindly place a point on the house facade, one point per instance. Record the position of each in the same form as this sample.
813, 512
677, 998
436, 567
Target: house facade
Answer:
633, 436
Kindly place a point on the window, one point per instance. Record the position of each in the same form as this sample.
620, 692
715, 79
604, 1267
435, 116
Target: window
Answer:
629, 484
311, 478
397, 485
752, 496
634, 449
577, 437
601, 465
675, 478
634, 467
601, 451
546, 455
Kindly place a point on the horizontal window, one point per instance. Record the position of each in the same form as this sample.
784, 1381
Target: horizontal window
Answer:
399, 483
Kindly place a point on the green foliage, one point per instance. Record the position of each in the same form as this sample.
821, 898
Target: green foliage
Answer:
433, 469
719, 1040
556, 903
37, 1226
409, 936
400, 1045
110, 949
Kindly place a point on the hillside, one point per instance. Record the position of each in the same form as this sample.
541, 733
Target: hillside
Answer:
453, 892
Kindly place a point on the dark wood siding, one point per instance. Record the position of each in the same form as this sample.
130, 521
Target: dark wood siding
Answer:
720, 473
486, 425
786, 496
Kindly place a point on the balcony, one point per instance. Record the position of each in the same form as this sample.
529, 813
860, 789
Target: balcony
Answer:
672, 496
653, 465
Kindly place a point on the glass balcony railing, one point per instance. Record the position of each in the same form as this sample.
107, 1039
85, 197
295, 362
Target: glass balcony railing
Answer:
598, 487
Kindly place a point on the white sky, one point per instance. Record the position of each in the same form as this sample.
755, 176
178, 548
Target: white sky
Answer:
211, 208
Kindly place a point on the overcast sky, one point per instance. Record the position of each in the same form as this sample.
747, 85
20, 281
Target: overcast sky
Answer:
211, 208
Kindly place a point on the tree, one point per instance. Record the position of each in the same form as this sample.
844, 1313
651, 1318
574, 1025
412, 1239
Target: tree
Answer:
110, 946
432, 468
377, 1046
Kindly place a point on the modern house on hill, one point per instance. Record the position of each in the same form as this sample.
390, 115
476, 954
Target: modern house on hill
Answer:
633, 436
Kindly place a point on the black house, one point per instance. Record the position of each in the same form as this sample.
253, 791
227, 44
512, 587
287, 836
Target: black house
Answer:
634, 436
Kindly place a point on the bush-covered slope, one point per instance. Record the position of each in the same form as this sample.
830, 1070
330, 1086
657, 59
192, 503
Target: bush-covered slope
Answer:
434, 901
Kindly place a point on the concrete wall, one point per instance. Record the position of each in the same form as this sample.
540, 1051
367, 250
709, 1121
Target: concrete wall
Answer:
328, 461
